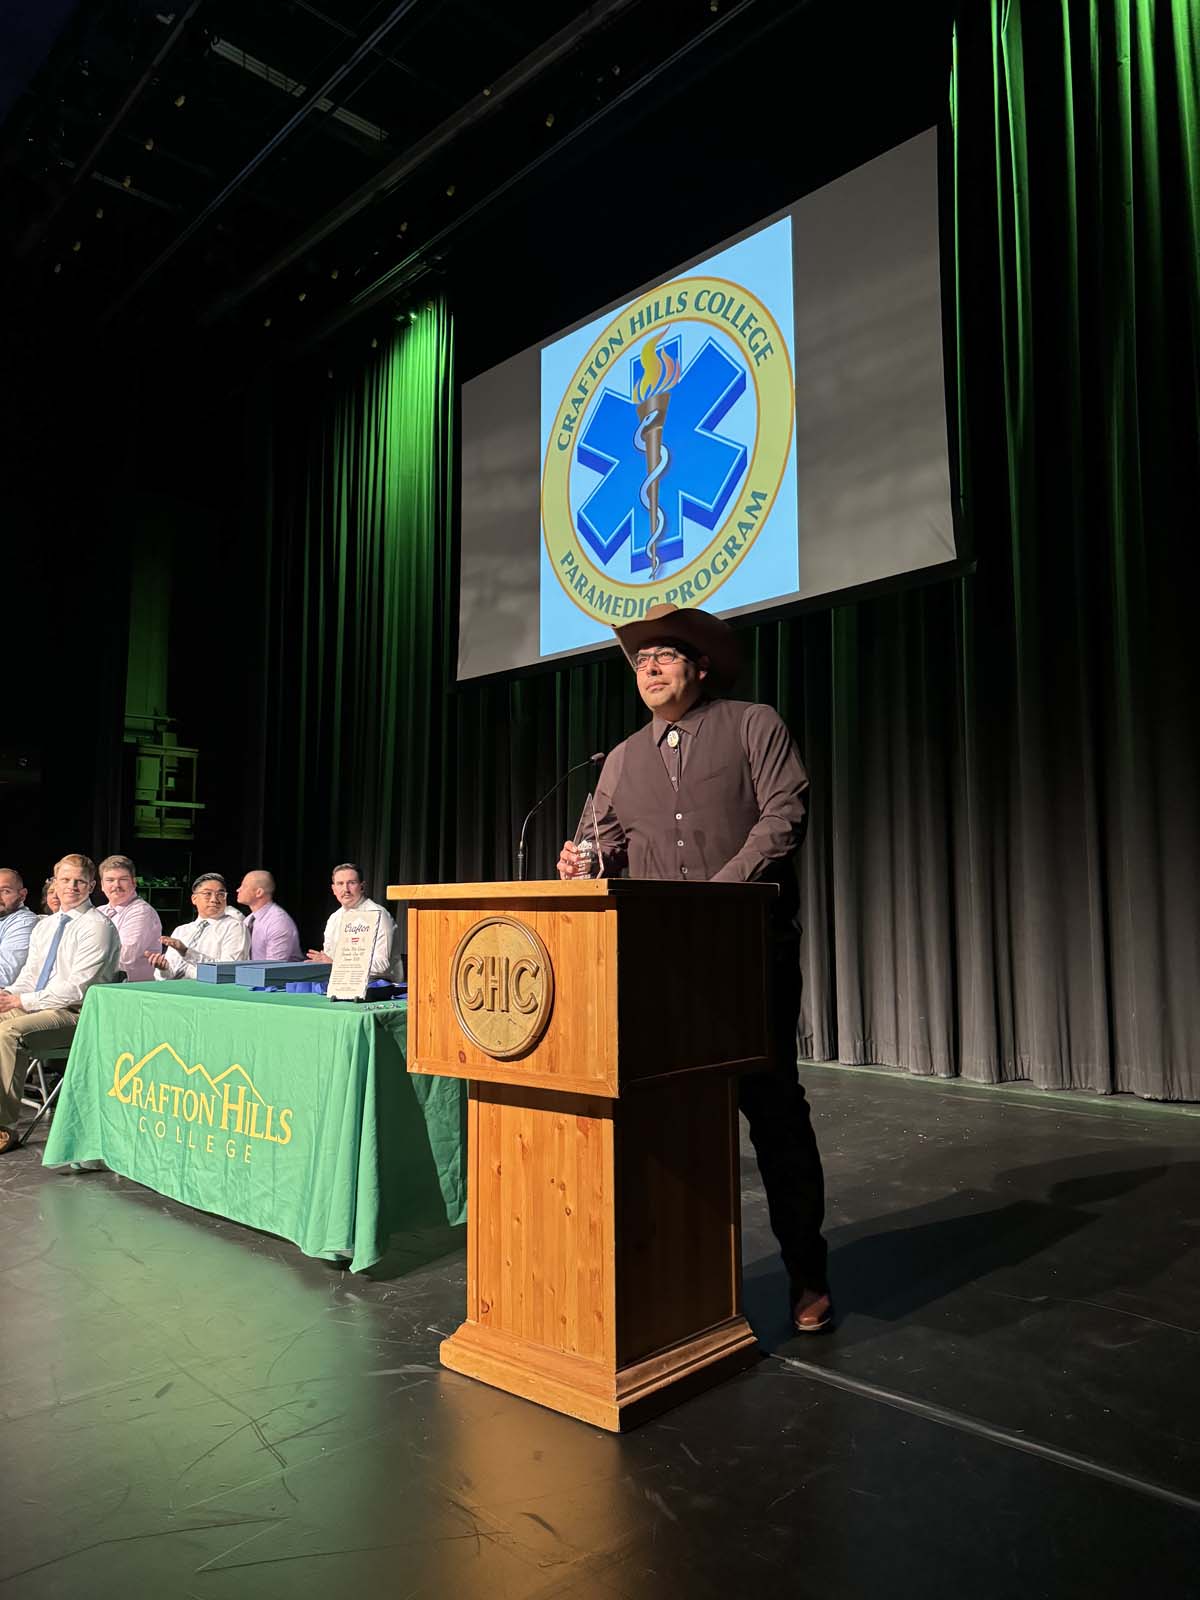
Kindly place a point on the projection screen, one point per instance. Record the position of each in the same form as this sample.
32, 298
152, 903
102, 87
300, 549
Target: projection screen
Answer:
764, 426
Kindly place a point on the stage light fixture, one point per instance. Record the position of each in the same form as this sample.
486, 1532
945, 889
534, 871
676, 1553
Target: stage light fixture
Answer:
99, 213
148, 145
302, 296
549, 119
126, 181
374, 344
450, 191
334, 274
58, 266
77, 246
266, 322
180, 99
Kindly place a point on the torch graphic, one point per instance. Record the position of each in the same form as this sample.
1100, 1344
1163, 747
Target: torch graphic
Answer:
652, 394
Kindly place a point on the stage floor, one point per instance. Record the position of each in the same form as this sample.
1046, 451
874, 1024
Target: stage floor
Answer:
1007, 1409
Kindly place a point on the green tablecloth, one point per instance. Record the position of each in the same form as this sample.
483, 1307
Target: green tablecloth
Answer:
284, 1111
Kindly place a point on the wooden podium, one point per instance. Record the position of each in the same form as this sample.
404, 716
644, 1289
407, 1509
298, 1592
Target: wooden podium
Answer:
600, 1025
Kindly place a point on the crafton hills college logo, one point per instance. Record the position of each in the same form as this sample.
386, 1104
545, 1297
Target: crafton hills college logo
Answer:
667, 450
193, 1107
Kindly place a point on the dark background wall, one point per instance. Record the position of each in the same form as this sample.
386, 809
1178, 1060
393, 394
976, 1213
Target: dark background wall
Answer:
1000, 872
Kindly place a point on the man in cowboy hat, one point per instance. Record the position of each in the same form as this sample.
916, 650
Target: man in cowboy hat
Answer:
732, 810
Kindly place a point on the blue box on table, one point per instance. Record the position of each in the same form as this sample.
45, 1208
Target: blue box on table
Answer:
216, 972
274, 974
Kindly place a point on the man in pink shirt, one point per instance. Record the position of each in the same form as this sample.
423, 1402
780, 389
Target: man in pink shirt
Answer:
137, 923
273, 934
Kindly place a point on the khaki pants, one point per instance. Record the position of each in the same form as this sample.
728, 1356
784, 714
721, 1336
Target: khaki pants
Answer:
21, 1033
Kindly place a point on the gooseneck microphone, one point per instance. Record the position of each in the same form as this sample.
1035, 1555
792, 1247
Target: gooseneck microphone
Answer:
596, 760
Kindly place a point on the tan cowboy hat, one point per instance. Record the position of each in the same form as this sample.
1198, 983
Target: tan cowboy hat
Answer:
699, 630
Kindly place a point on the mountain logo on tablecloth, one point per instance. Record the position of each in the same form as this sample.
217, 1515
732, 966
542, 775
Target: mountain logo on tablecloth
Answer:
228, 1109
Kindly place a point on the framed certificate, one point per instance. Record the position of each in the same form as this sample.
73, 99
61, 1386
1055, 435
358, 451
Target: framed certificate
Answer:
351, 970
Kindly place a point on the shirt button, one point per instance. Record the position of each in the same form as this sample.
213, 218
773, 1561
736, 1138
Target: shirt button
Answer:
684, 871
679, 816
679, 842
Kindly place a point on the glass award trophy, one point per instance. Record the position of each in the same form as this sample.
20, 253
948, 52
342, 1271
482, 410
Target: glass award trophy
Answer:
587, 842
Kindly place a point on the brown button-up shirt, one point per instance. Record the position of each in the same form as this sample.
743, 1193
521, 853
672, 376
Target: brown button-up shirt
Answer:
776, 775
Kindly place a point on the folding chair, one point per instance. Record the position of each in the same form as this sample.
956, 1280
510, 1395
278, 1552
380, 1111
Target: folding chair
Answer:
45, 1096
39, 1060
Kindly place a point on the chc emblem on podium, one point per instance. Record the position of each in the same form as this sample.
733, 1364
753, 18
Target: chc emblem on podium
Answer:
502, 981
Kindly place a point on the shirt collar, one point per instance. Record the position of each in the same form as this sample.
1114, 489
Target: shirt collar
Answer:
109, 910
80, 910
689, 722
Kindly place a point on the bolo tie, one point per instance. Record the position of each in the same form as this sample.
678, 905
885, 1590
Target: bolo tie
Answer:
673, 743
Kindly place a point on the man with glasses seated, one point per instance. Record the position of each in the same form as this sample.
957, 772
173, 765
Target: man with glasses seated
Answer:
713, 789
68, 953
218, 933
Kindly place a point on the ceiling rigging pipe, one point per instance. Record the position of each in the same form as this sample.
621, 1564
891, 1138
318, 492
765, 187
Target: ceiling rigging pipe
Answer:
390, 177
364, 47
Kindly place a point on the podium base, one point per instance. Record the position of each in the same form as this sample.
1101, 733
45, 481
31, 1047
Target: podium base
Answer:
612, 1399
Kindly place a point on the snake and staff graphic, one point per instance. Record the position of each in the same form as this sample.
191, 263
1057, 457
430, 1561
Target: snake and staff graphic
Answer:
652, 393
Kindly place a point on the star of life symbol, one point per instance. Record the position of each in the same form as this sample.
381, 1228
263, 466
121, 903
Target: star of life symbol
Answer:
659, 474
665, 451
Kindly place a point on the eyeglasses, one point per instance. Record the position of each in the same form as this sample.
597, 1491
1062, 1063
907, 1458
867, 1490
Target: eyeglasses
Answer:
664, 657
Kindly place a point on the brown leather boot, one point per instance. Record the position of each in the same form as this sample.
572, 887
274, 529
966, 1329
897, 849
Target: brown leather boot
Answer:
812, 1311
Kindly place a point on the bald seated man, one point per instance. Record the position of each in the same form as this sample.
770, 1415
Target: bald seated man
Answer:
17, 923
273, 934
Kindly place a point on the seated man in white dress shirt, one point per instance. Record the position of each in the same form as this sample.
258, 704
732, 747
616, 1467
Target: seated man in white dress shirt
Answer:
17, 923
136, 921
218, 933
350, 892
68, 952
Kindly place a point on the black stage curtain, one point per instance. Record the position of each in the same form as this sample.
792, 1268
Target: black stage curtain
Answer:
1000, 875
65, 586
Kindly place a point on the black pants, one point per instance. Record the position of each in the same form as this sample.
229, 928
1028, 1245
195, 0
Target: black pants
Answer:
781, 1132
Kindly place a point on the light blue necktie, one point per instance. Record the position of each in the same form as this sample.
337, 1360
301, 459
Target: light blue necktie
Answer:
52, 954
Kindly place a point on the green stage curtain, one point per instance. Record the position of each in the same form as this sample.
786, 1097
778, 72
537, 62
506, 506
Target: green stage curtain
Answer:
1000, 874
1001, 878
354, 652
